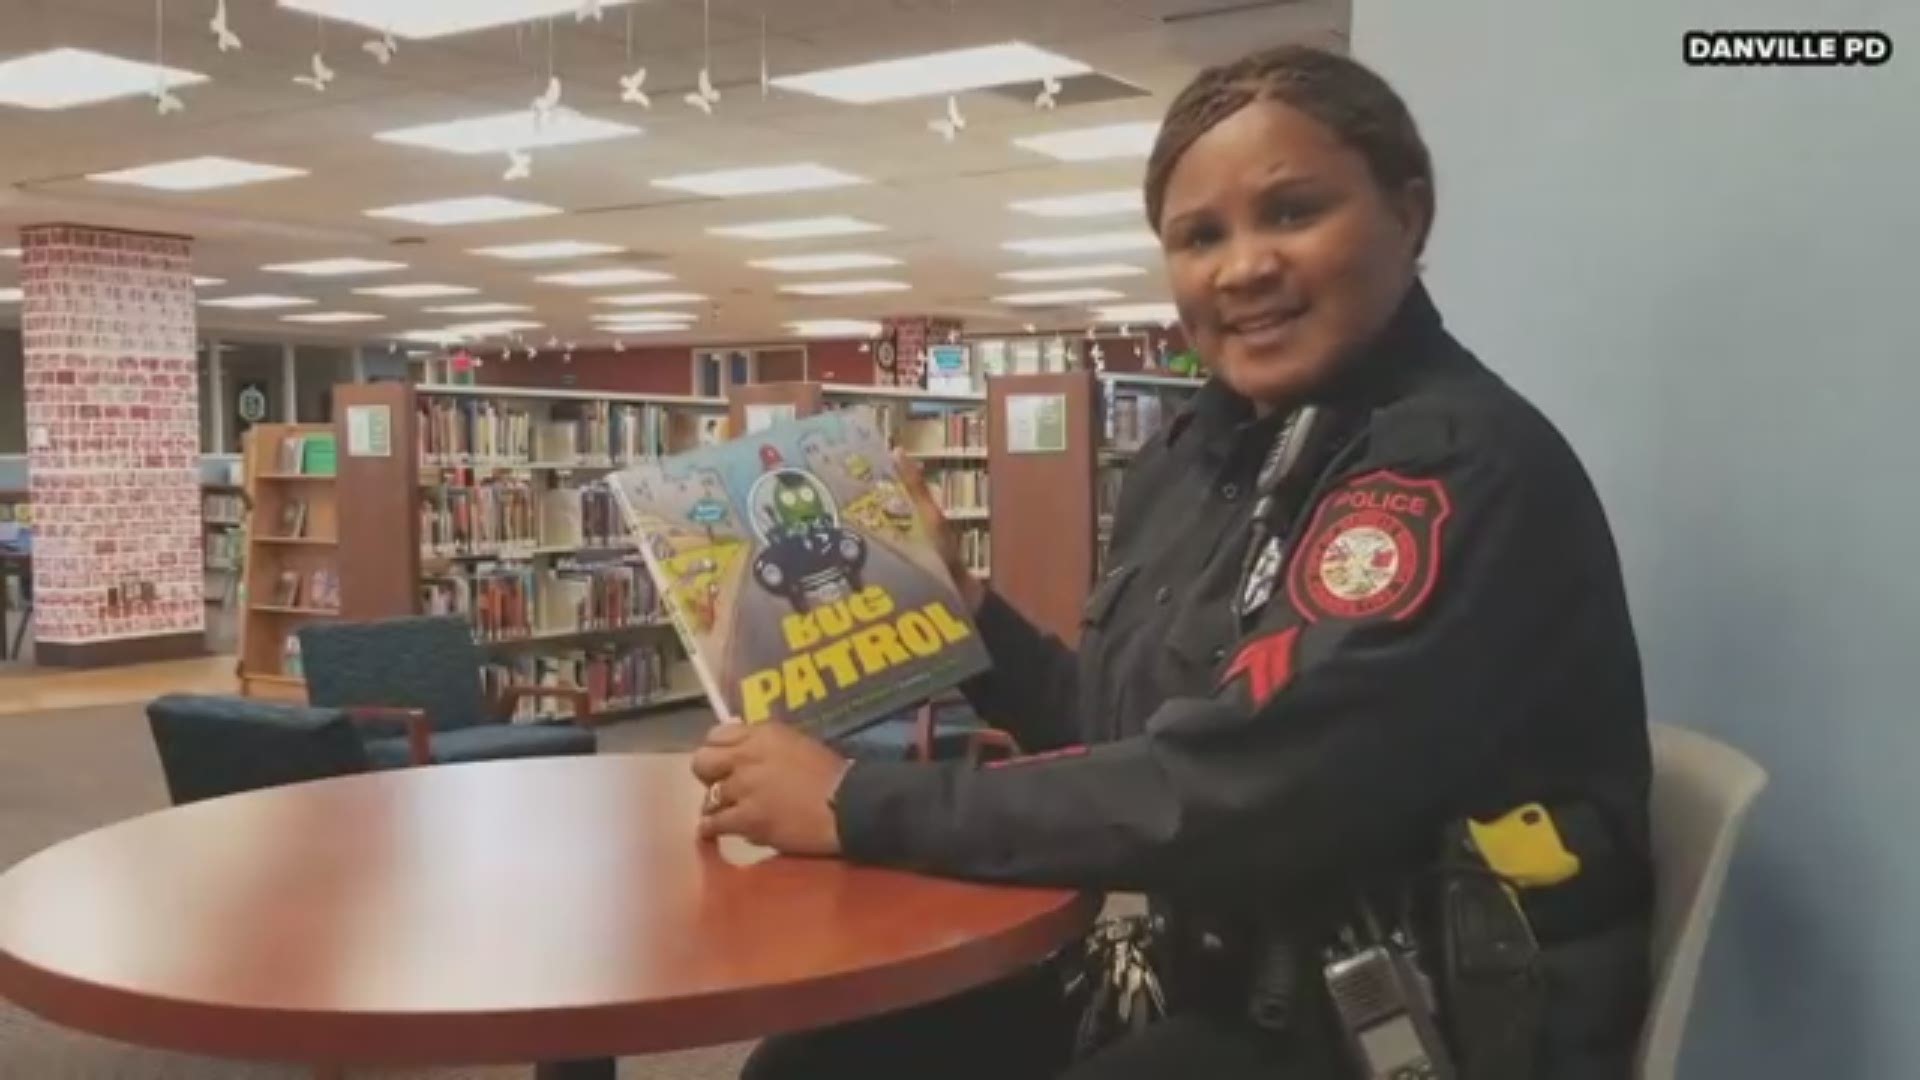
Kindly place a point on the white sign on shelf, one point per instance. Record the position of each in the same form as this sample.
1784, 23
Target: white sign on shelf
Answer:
762, 417
369, 431
1036, 423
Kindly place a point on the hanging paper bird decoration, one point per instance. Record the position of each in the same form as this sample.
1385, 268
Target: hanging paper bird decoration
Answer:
544, 105
322, 75
222, 32
1049, 93
704, 97
951, 125
166, 101
619, 345
519, 165
630, 89
382, 48
590, 9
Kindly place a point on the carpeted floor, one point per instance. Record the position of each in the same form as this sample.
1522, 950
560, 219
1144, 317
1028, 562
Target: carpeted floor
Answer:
64, 773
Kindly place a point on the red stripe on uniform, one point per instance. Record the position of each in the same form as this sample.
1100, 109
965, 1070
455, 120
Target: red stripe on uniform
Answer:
1035, 759
1267, 663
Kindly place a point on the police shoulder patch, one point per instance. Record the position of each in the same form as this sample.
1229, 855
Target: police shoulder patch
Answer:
1372, 551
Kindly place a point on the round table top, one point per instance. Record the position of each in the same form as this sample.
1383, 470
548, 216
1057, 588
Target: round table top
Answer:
501, 912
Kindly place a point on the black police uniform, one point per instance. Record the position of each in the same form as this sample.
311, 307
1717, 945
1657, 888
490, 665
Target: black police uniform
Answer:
1449, 636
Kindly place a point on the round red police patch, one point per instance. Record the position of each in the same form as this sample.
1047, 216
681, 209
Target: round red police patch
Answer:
1372, 550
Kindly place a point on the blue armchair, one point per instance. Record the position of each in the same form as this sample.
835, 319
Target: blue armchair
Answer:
425, 671
940, 730
211, 746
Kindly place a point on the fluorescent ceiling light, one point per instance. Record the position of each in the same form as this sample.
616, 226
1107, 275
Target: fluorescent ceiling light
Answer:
835, 328
501, 132
947, 72
436, 18
196, 174
493, 308
492, 329
9, 253
1141, 313
208, 282
814, 264
333, 317
619, 275
651, 298
1086, 204
549, 249
1086, 244
797, 229
645, 328
335, 267
845, 288
1086, 272
1058, 296
256, 302
64, 78
11, 296
761, 180
464, 211
416, 292
432, 337
1095, 143
642, 318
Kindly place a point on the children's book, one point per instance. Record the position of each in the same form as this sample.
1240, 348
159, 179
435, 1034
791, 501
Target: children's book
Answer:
800, 578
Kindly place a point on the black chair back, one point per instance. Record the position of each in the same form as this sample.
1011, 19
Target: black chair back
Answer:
419, 662
211, 746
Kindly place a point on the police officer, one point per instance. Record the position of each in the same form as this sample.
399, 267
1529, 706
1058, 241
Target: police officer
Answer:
1359, 589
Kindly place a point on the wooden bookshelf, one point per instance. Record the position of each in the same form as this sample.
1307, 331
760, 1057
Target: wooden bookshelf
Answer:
1041, 451
1132, 406
291, 567
490, 506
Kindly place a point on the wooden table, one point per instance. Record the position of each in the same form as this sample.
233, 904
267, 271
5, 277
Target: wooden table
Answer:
492, 913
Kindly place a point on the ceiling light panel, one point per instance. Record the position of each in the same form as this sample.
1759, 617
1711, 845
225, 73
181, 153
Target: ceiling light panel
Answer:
1095, 143
636, 318
208, 282
948, 72
335, 267
549, 249
761, 180
257, 302
619, 275
501, 132
9, 253
797, 229
65, 78
480, 309
1085, 204
652, 298
845, 288
816, 264
491, 329
11, 296
328, 317
835, 328
1058, 296
1085, 272
436, 18
1087, 244
420, 291
1141, 313
196, 174
465, 211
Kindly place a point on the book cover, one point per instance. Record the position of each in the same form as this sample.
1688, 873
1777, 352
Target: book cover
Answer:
802, 582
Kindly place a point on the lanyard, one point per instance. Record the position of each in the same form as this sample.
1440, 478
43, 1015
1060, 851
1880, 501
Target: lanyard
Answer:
1308, 443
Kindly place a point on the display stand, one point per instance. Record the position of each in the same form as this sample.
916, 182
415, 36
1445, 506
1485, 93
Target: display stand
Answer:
292, 561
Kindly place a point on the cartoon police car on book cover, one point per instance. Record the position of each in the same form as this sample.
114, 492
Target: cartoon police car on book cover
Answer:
804, 585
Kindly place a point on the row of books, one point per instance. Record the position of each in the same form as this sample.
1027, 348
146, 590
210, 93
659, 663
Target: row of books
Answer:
976, 547
615, 677
1106, 489
223, 549
959, 489
459, 431
960, 429
1132, 418
223, 508
505, 516
308, 455
316, 590
516, 601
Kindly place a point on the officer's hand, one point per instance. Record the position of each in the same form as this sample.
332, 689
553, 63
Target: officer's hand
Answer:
934, 520
772, 785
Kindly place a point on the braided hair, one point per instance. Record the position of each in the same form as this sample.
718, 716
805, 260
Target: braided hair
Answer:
1352, 101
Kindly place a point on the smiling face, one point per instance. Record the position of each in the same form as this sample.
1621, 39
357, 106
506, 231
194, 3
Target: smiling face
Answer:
1284, 254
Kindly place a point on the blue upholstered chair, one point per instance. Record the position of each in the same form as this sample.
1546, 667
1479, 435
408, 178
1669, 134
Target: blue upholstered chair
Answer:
424, 671
943, 729
211, 746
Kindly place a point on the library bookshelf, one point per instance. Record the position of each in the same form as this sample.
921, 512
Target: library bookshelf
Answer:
292, 564
490, 503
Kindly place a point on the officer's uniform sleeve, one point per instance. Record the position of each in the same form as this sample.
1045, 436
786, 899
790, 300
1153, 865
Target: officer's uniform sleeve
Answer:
1369, 702
1031, 692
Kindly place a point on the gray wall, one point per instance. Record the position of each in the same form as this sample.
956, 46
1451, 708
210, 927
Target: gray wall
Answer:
13, 393
1706, 276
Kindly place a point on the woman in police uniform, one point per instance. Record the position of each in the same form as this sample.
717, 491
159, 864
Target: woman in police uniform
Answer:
1360, 590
